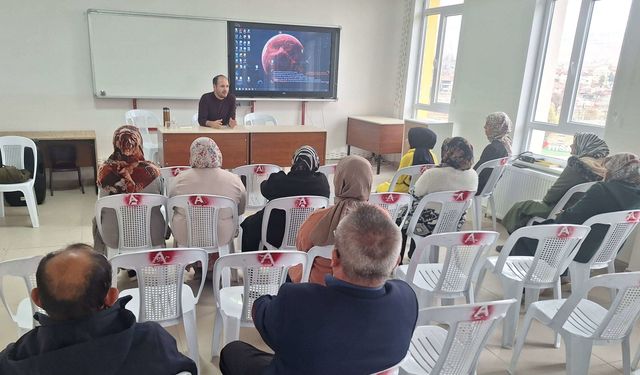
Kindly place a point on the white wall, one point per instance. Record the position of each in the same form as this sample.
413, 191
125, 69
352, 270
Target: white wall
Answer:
46, 74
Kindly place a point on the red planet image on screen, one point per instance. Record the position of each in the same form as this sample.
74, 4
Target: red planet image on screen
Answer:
282, 52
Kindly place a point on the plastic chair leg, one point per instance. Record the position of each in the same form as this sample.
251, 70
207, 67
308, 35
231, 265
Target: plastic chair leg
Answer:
470, 295
511, 290
626, 356
611, 268
579, 273
191, 333
32, 206
530, 296
494, 220
522, 336
1, 204
636, 359
231, 330
216, 342
578, 355
477, 213
557, 294
480, 279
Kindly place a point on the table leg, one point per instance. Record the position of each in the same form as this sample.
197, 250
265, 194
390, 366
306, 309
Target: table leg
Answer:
378, 158
348, 149
95, 165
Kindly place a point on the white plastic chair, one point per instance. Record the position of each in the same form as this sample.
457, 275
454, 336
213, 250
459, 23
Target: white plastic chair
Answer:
161, 295
395, 370
621, 224
497, 166
393, 203
169, 174
329, 171
583, 323
297, 209
452, 278
144, 119
24, 268
455, 350
312, 254
413, 171
257, 118
580, 188
264, 272
557, 245
452, 205
12, 150
254, 174
133, 213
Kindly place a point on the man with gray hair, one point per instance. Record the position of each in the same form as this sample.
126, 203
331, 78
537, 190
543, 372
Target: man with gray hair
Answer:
359, 323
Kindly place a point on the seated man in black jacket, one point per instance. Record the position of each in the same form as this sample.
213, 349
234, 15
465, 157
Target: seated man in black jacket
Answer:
87, 330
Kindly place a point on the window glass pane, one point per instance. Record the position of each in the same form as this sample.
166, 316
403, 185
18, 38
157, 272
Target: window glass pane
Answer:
432, 116
448, 60
556, 61
429, 54
608, 24
443, 3
551, 144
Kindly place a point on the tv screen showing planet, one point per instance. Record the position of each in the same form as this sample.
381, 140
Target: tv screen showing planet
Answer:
276, 60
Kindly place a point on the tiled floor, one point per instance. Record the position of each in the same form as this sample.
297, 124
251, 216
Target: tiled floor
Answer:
66, 218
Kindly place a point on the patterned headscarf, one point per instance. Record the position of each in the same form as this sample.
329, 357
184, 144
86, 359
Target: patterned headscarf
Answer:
623, 167
126, 170
497, 127
457, 153
589, 144
205, 153
422, 140
305, 159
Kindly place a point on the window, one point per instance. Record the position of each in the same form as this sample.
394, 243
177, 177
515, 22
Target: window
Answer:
578, 58
441, 32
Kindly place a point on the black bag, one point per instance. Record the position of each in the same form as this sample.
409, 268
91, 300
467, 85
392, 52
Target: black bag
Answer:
15, 198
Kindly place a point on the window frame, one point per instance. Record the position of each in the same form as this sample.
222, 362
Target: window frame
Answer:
443, 12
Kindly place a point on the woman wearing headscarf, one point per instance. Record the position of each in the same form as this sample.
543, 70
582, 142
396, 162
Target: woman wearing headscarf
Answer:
125, 172
584, 165
454, 173
206, 176
352, 181
421, 141
303, 179
497, 127
619, 191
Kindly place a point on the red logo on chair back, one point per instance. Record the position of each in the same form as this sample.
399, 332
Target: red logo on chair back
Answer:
161, 258
472, 238
461, 196
268, 259
390, 198
199, 200
259, 170
132, 199
176, 171
565, 232
425, 167
633, 217
482, 313
302, 202
504, 161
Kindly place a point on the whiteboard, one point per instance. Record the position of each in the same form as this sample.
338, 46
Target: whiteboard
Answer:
154, 56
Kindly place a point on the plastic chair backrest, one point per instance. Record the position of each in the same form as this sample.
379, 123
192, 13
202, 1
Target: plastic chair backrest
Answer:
264, 272
12, 149
133, 212
142, 119
202, 212
169, 174
621, 315
312, 254
393, 203
194, 119
464, 251
257, 118
556, 248
328, 170
254, 174
297, 209
160, 278
24, 268
580, 188
621, 224
413, 171
453, 204
497, 166
469, 327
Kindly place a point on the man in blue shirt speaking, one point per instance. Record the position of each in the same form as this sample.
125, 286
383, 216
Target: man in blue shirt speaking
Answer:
359, 323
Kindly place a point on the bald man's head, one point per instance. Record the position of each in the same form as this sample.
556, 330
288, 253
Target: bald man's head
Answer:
73, 282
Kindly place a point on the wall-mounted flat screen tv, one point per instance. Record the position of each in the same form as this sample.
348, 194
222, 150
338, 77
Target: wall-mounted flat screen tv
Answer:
282, 61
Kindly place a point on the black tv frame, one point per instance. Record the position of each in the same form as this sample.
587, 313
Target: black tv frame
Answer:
335, 47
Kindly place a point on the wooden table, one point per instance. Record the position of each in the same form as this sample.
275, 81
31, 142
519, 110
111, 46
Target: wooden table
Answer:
380, 135
260, 144
84, 141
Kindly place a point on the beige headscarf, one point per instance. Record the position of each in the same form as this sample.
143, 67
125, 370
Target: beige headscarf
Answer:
623, 167
352, 182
